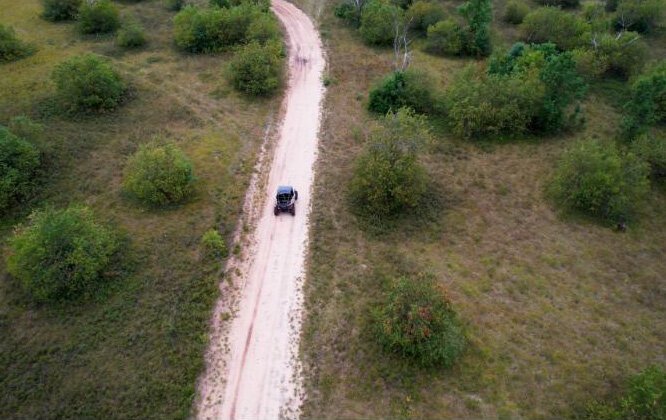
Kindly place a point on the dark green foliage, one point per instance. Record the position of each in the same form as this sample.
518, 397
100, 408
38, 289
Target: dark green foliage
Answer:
174, 5
159, 175
423, 14
549, 24
88, 83
411, 89
388, 179
594, 178
19, 163
264, 28
417, 321
515, 11
644, 399
377, 22
348, 12
264, 5
611, 5
257, 69
57, 10
61, 254
131, 35
99, 17
561, 3
647, 104
652, 149
642, 16
447, 37
12, 48
478, 14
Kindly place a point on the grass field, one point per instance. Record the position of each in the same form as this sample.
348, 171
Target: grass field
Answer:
558, 310
136, 351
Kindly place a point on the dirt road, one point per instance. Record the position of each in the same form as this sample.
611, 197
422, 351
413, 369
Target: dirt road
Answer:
258, 378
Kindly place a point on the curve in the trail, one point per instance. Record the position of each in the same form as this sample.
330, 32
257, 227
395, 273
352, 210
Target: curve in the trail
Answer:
262, 378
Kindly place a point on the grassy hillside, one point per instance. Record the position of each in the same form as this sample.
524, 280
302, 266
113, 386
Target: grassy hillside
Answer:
558, 310
136, 351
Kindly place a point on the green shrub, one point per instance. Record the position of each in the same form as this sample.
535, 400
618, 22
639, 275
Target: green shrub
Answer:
99, 17
347, 11
549, 24
61, 254
515, 12
19, 163
57, 10
12, 48
611, 5
647, 103
625, 53
257, 69
590, 64
642, 16
424, 14
594, 178
412, 89
377, 22
88, 83
561, 3
417, 321
25, 128
447, 37
388, 179
174, 5
131, 35
652, 149
213, 245
264, 28
264, 5
478, 14
159, 175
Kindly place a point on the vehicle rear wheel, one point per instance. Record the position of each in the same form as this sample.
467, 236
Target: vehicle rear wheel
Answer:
293, 211
295, 195
276, 210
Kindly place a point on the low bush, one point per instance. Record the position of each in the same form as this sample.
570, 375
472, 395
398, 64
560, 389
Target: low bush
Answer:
417, 321
515, 11
642, 16
549, 24
19, 163
57, 10
625, 53
647, 103
388, 179
98, 17
479, 15
412, 89
25, 128
447, 37
349, 12
561, 3
88, 83
257, 69
423, 14
174, 5
594, 178
159, 175
264, 5
377, 22
131, 35
61, 254
12, 48
652, 149
263, 29
213, 245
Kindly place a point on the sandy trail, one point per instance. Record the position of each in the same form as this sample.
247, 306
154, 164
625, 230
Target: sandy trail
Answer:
259, 377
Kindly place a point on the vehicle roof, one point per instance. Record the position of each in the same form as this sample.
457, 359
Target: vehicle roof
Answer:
284, 189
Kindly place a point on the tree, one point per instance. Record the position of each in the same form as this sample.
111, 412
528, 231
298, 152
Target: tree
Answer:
257, 69
378, 22
647, 104
479, 15
19, 163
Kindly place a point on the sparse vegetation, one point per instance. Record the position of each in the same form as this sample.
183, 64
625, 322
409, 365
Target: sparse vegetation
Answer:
57, 10
257, 69
61, 254
98, 17
19, 163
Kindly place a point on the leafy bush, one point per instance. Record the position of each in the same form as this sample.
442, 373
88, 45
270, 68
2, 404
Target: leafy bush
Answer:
88, 83
131, 35
174, 5
642, 16
417, 321
549, 24
159, 175
348, 12
61, 254
447, 37
264, 5
561, 3
411, 89
26, 128
625, 53
515, 12
19, 163
388, 178
478, 14
424, 14
647, 103
12, 48
652, 149
57, 10
213, 245
377, 21
596, 179
264, 28
98, 17
257, 69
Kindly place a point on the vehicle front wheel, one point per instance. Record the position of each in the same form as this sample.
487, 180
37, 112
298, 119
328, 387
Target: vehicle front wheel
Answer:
293, 211
295, 195
276, 210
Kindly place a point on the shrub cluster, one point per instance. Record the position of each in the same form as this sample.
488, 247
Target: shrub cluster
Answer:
257, 69
88, 83
61, 254
596, 179
377, 22
213, 245
423, 14
642, 16
131, 35
652, 149
515, 12
98, 17
19, 163
403, 89
57, 10
647, 103
550, 24
417, 321
12, 48
447, 37
159, 175
264, 5
388, 178
174, 5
